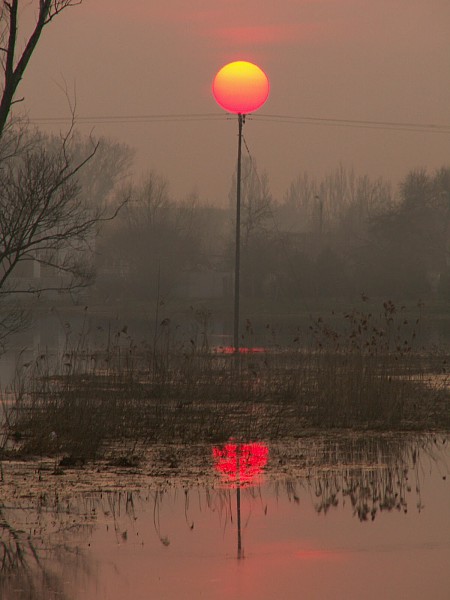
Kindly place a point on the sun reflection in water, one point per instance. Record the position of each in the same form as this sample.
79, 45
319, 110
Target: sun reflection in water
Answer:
241, 464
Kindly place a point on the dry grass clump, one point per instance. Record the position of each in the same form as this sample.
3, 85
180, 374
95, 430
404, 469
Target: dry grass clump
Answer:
366, 375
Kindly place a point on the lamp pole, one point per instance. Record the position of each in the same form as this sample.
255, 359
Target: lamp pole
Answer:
238, 502
239, 87
237, 256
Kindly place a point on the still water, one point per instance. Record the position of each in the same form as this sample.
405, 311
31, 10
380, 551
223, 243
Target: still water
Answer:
324, 517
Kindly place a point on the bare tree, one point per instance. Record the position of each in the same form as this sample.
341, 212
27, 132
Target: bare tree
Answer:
45, 218
48, 224
14, 61
256, 201
154, 242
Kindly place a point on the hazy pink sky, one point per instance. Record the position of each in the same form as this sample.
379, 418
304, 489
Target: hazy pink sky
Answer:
347, 59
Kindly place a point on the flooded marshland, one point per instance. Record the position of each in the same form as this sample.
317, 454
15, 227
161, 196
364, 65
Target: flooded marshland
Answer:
323, 516
170, 470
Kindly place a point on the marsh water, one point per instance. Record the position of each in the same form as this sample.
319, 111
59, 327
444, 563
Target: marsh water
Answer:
324, 516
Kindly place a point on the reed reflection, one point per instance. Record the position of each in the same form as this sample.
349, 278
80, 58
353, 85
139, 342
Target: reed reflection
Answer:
371, 474
43, 541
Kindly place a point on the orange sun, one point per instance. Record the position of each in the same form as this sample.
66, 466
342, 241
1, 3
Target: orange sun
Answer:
240, 87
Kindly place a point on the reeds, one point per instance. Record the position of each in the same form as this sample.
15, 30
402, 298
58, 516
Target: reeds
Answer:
365, 375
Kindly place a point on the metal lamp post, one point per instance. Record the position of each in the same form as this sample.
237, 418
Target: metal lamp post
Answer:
241, 88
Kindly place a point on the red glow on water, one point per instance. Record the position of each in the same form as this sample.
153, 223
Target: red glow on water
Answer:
241, 350
241, 463
317, 555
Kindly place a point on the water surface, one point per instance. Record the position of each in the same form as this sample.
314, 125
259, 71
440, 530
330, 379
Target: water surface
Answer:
318, 518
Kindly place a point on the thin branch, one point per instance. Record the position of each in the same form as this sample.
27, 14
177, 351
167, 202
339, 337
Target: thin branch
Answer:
14, 71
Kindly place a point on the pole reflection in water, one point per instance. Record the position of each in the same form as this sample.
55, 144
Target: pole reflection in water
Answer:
240, 465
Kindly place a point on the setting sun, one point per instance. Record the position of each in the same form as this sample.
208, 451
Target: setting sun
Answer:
240, 87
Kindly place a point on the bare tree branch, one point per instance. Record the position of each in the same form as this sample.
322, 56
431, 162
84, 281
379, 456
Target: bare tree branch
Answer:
45, 220
14, 66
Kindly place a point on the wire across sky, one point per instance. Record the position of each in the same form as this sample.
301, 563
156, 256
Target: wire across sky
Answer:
289, 119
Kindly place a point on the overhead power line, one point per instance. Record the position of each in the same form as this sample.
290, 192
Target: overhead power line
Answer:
331, 122
98, 119
289, 119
